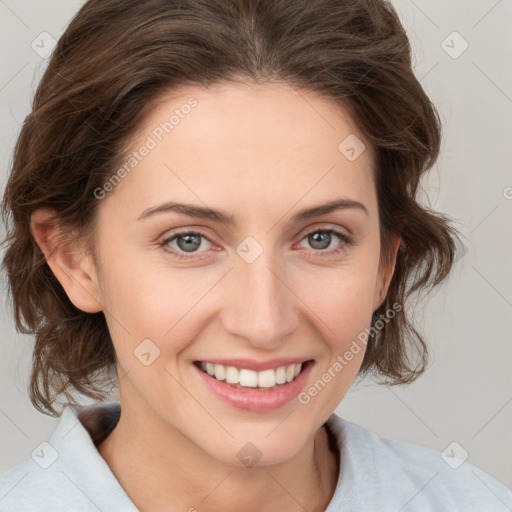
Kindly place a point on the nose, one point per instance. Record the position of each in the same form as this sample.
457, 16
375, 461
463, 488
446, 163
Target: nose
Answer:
260, 305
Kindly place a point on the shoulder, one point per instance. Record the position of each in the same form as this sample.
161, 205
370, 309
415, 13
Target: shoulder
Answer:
27, 486
67, 472
47, 482
409, 477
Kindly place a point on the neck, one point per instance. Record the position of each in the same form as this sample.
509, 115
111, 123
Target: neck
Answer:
166, 467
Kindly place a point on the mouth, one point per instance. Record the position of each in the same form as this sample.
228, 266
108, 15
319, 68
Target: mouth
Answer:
244, 378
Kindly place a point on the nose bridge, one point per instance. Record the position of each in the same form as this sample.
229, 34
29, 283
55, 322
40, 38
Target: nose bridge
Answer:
261, 308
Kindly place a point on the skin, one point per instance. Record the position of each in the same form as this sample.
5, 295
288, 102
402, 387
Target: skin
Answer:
261, 153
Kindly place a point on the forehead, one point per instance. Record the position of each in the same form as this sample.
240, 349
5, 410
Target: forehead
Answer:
249, 114
248, 144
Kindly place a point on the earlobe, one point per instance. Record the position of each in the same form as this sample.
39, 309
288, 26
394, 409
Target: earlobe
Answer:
386, 274
71, 265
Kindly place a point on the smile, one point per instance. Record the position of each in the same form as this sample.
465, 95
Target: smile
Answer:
262, 387
245, 378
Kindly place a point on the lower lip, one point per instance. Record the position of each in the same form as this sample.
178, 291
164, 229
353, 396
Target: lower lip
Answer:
253, 399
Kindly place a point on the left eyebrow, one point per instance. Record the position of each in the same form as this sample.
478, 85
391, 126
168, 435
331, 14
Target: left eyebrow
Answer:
339, 204
202, 212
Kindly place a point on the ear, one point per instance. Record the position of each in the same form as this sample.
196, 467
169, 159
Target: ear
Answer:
385, 275
72, 266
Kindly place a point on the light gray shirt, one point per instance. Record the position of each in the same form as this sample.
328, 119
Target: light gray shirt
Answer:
377, 474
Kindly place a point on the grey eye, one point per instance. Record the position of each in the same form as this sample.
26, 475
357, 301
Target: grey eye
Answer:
320, 239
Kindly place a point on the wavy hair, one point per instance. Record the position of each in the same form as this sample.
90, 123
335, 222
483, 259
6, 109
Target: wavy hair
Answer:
113, 62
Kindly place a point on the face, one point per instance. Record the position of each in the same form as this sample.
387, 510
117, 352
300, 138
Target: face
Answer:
259, 288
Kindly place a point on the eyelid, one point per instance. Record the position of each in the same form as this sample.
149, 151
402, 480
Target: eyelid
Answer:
346, 241
323, 226
201, 230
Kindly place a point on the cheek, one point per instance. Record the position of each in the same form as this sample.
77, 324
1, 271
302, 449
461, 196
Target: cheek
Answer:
155, 302
346, 318
342, 301
150, 298
343, 296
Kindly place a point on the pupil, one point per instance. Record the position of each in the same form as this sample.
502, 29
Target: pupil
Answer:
317, 237
189, 246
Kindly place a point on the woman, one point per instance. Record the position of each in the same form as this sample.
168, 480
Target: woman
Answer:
217, 200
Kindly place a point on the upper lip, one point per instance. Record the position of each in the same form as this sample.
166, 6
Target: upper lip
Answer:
251, 364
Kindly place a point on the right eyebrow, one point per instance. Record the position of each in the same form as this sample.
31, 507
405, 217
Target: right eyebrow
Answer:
202, 212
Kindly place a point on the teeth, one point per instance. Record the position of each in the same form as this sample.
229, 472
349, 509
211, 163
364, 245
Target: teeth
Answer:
232, 375
266, 379
250, 378
281, 375
220, 372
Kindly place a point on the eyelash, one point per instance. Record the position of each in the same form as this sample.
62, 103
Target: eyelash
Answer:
346, 242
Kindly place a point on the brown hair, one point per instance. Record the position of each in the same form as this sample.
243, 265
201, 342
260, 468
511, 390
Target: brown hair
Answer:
118, 56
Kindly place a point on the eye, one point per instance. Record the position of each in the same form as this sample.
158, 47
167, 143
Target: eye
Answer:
187, 242
321, 239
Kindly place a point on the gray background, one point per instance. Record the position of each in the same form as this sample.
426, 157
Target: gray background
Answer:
466, 394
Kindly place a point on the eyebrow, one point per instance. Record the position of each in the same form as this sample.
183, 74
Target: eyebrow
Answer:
222, 216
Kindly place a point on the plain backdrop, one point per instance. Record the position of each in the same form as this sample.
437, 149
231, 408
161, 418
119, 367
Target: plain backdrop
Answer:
466, 394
